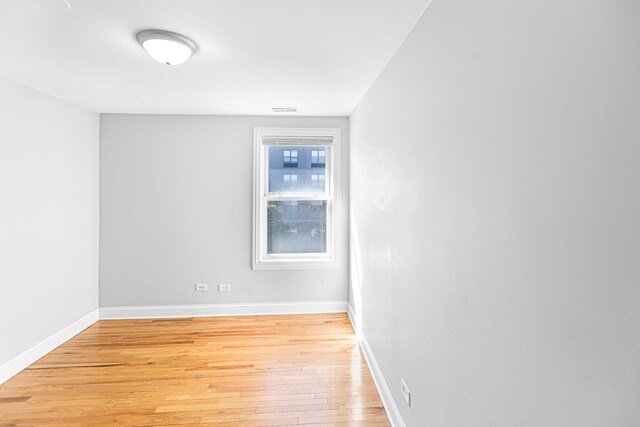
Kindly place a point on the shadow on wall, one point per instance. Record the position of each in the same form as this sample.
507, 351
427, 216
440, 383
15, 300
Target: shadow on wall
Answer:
355, 272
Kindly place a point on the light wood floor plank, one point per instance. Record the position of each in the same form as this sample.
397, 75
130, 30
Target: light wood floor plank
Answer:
294, 370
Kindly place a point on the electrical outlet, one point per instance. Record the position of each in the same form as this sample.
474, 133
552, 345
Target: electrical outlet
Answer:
224, 287
202, 287
406, 393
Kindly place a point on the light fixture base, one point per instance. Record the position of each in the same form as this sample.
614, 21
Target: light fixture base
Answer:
153, 36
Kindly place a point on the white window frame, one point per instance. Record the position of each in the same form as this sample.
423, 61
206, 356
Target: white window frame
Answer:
300, 137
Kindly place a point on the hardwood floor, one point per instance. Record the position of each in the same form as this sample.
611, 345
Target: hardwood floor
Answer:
219, 371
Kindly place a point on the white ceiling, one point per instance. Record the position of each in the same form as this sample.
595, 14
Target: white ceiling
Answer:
320, 56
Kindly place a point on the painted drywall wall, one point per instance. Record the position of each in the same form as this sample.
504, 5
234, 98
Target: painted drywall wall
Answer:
495, 182
48, 216
176, 210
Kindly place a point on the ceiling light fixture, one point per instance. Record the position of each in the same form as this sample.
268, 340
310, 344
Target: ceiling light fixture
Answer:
166, 46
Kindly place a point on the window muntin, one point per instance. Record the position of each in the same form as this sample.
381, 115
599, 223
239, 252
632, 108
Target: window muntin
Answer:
295, 219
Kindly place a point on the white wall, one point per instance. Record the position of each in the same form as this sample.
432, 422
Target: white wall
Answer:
176, 209
495, 182
48, 216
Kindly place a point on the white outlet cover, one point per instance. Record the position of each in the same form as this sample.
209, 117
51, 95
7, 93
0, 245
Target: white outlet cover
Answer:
224, 287
406, 393
202, 287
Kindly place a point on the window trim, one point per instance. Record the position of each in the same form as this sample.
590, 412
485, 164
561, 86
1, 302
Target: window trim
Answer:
330, 260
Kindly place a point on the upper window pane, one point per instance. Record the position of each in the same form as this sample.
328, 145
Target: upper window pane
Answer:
309, 176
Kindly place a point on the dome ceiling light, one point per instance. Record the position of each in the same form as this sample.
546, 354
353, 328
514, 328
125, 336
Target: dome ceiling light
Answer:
166, 47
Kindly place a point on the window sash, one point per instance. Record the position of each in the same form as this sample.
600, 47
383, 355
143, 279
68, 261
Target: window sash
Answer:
264, 150
308, 255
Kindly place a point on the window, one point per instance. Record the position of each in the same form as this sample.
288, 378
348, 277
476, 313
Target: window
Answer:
317, 180
295, 215
318, 158
290, 158
289, 179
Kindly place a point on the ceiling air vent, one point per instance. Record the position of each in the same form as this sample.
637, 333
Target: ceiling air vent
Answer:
284, 110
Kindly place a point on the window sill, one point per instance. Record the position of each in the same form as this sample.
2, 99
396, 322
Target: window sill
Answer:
296, 264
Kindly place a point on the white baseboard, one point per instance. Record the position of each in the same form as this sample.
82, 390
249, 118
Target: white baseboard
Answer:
212, 310
351, 312
383, 390
23, 360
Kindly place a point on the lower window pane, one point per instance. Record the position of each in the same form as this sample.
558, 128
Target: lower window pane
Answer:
296, 227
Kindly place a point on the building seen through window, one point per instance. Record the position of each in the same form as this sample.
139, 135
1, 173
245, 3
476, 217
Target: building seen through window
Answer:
297, 226
309, 174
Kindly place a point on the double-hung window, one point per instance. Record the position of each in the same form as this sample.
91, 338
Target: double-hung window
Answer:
295, 210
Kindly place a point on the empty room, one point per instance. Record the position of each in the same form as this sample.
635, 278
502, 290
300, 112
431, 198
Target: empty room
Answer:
401, 213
